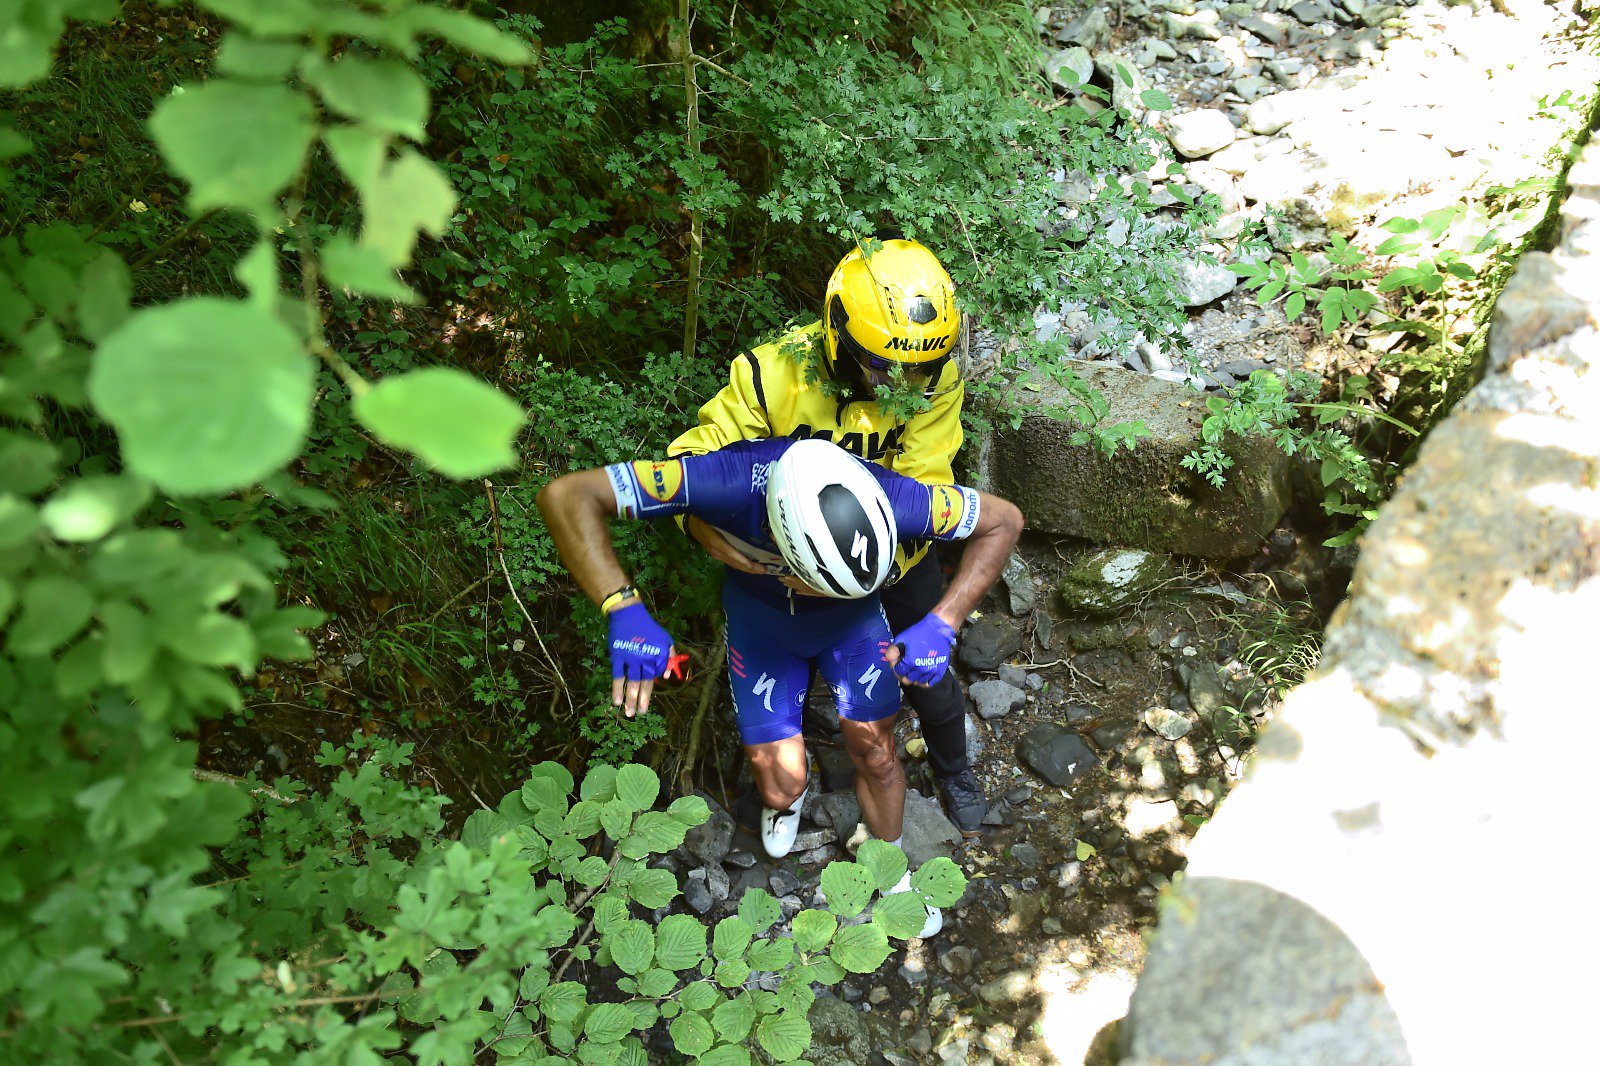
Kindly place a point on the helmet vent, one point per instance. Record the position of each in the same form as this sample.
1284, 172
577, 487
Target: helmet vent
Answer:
920, 310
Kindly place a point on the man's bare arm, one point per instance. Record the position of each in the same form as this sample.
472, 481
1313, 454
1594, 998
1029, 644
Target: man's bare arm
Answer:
575, 508
999, 525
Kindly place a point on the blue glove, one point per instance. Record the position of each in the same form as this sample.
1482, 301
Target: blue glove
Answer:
639, 646
925, 650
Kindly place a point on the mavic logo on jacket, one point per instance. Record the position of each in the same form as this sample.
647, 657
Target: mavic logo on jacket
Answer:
869, 446
926, 344
869, 679
764, 686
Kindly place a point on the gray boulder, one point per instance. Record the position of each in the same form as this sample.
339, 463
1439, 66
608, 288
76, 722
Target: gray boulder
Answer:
1198, 283
988, 642
1194, 134
928, 834
1111, 580
1069, 68
1056, 754
708, 843
996, 699
1142, 498
1092, 30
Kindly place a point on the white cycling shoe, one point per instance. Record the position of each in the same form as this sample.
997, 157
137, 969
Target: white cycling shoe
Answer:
935, 920
779, 828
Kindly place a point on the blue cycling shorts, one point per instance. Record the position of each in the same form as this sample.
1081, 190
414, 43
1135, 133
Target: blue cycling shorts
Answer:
772, 653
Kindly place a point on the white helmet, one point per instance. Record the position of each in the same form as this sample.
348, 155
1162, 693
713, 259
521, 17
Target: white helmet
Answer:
831, 519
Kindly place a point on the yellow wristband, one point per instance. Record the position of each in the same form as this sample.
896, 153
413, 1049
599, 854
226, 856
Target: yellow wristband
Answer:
610, 603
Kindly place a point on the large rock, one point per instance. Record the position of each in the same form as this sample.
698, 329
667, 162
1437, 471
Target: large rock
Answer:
1142, 498
1111, 580
928, 834
1333, 909
1056, 754
988, 642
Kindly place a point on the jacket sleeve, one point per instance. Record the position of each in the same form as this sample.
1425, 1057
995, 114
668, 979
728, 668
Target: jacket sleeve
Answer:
736, 413
928, 449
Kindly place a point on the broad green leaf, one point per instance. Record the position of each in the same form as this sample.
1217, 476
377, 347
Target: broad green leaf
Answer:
941, 881
563, 1002
207, 395
250, 57
558, 776
383, 93
825, 971
759, 909
1084, 850
900, 915
637, 786
410, 193
236, 143
591, 871
731, 937
653, 888
616, 818
784, 1036
608, 1023
657, 982
813, 929
459, 425
733, 1018
599, 784
885, 862
211, 639
610, 911
733, 973
654, 833
860, 948
795, 994
699, 996
359, 152
53, 611
542, 795
691, 1034
632, 946
771, 955
535, 979
468, 33
1156, 100
848, 888
27, 464
583, 820
680, 942
725, 1055
1294, 306
483, 828
690, 810
89, 508
103, 294
363, 269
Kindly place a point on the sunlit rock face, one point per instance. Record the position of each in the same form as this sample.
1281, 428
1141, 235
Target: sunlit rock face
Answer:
1370, 893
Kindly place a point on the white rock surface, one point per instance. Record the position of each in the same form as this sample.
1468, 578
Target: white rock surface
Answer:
1195, 134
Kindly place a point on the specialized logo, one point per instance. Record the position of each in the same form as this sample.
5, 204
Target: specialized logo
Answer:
926, 344
763, 688
660, 481
948, 508
858, 550
869, 679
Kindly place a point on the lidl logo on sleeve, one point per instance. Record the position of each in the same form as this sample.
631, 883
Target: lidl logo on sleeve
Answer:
948, 508
660, 481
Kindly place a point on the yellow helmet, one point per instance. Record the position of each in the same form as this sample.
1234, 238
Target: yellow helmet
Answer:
891, 312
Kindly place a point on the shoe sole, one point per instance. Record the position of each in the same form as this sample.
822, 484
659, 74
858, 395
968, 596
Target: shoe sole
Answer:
968, 834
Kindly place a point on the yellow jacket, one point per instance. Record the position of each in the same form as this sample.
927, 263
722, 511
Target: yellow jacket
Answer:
767, 396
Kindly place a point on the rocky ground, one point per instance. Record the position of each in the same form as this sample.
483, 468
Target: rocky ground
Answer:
1114, 692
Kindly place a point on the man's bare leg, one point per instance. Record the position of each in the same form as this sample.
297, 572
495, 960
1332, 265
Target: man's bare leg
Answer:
781, 770
880, 780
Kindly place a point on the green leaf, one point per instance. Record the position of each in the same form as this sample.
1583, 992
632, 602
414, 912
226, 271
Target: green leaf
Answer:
772, 955
759, 909
1332, 307
1294, 306
384, 93
731, 937
1401, 225
653, 888
784, 1036
733, 1018
690, 810
591, 871
27, 464
363, 269
483, 828
470, 34
583, 820
1084, 850
251, 57
53, 611
848, 888
657, 982
637, 787
725, 1055
654, 833
813, 929
459, 425
104, 292
1396, 245
885, 862
207, 395
691, 1034
860, 948
632, 946
941, 881
409, 194
794, 993
900, 915
616, 818
599, 784
825, 971
89, 508
130, 642
235, 142
210, 638
608, 1022
699, 996
563, 1002
1156, 100
733, 973
680, 942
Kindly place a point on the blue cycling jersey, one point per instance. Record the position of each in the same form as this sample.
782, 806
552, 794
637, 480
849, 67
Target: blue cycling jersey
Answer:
726, 489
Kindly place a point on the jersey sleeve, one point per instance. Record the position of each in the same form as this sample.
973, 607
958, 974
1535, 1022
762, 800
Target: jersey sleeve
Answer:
737, 412
929, 512
713, 486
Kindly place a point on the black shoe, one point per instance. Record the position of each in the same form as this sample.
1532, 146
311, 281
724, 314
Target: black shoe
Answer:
964, 802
